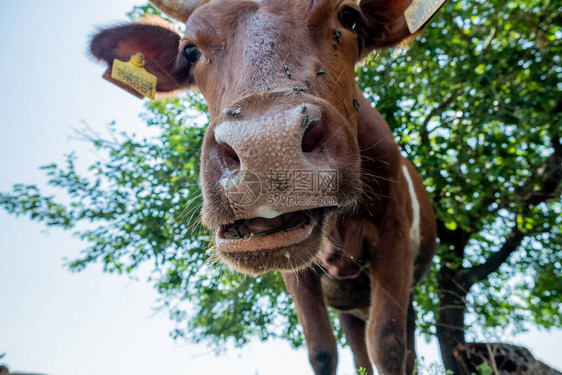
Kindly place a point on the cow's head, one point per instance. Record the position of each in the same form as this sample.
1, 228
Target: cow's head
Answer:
281, 154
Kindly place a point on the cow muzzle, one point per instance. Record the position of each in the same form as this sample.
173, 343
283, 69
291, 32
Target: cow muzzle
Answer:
274, 174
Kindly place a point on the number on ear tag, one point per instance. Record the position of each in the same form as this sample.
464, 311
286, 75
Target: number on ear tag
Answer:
420, 11
133, 77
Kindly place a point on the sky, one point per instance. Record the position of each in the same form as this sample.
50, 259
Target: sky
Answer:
56, 322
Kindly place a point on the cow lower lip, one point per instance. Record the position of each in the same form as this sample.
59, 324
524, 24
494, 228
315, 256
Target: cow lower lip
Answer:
262, 234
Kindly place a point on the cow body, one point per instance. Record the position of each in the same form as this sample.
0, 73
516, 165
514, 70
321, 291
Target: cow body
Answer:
299, 173
372, 259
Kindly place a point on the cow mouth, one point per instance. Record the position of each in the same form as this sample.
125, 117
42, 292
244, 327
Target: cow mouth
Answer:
255, 234
287, 242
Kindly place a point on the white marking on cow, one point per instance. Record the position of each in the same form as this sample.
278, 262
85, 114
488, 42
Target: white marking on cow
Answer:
415, 228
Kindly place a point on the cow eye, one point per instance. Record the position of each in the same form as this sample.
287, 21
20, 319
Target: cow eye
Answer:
191, 53
349, 18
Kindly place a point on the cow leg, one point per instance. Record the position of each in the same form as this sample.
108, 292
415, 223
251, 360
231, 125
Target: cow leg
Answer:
411, 337
306, 290
354, 329
391, 276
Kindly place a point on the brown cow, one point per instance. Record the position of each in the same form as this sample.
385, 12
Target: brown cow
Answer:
299, 173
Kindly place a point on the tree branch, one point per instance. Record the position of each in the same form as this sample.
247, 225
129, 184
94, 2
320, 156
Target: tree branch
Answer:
424, 134
550, 177
480, 272
464, 36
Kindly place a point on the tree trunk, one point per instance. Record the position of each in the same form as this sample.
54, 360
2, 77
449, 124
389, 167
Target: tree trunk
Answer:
450, 323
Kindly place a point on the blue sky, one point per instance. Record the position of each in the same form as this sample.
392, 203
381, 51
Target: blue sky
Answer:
60, 323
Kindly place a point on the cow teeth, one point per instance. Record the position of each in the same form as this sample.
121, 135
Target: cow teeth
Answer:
233, 232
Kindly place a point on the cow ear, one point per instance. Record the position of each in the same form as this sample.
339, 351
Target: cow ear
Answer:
384, 24
159, 44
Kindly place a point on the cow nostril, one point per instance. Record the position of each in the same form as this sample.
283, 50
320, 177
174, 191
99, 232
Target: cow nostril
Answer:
229, 154
313, 136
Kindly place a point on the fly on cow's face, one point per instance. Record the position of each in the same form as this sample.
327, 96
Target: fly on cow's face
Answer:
356, 105
336, 34
232, 112
287, 70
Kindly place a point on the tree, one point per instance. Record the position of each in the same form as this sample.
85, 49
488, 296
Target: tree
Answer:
475, 104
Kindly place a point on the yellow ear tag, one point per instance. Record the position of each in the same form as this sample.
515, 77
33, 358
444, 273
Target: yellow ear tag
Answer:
133, 77
420, 11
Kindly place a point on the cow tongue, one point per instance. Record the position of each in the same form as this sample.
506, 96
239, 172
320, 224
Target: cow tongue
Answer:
263, 226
